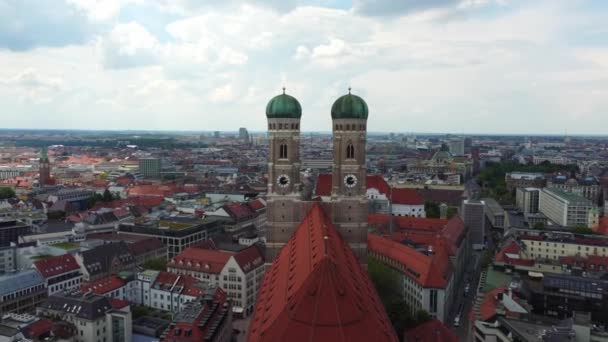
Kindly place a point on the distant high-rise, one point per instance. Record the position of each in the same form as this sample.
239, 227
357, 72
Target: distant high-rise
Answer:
150, 167
456, 147
474, 217
243, 135
44, 168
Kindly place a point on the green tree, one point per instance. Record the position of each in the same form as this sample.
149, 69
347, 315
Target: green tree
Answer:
158, 264
431, 209
452, 212
582, 229
107, 196
539, 226
6, 192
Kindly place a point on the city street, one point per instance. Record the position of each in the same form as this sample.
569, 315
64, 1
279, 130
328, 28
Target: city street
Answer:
472, 276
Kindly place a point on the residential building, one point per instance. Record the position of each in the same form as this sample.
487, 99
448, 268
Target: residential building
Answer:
60, 273
568, 209
21, 291
207, 318
588, 187
142, 248
317, 290
426, 277
93, 316
111, 286
556, 245
474, 217
70, 195
407, 202
172, 292
8, 258
105, 260
524, 180
527, 200
150, 167
238, 274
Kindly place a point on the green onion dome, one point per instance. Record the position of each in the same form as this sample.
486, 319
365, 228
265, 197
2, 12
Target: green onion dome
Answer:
283, 107
349, 106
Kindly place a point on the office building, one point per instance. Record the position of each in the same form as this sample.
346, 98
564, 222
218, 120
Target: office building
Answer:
474, 217
11, 230
456, 147
21, 291
568, 209
150, 167
527, 200
176, 235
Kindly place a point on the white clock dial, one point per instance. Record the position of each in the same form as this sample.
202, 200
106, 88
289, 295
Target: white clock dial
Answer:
350, 181
283, 181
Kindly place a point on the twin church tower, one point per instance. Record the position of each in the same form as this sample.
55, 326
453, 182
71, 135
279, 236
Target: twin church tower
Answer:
287, 207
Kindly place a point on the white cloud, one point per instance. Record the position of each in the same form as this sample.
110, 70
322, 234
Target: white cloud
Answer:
454, 68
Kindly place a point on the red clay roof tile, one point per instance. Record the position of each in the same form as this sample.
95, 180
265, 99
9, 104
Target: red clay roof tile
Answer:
317, 291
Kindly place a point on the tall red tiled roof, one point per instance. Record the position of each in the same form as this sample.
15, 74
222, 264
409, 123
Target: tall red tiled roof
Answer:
378, 182
103, 285
421, 230
406, 196
239, 211
201, 260
56, 265
431, 331
249, 258
317, 291
430, 271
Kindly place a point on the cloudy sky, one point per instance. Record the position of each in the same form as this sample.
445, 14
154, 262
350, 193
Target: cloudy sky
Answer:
493, 66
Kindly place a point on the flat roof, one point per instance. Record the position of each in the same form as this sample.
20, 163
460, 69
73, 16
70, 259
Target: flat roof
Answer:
568, 196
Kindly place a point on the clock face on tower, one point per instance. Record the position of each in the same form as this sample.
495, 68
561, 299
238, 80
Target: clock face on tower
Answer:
350, 181
283, 181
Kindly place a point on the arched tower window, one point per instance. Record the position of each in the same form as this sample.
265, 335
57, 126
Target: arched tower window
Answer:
350, 151
283, 151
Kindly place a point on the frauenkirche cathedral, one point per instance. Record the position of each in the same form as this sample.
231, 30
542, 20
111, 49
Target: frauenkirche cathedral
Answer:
287, 205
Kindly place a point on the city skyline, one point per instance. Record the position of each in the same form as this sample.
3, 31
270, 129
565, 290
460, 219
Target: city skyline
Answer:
480, 67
